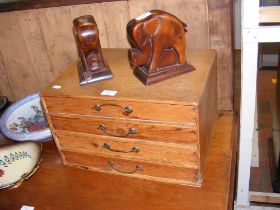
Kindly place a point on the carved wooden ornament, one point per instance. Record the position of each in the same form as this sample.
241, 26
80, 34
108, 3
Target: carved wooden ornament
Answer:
92, 67
158, 46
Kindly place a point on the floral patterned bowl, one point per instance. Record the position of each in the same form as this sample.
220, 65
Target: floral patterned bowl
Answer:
25, 121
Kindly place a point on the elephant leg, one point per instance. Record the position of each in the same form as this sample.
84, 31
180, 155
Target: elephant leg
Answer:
180, 47
156, 53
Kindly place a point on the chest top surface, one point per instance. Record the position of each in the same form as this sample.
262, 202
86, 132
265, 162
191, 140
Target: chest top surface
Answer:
184, 89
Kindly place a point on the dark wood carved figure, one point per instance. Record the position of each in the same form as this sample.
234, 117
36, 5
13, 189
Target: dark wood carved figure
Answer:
158, 46
92, 67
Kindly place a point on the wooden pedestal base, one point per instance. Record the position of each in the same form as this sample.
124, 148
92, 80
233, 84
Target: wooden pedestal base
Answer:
93, 77
162, 73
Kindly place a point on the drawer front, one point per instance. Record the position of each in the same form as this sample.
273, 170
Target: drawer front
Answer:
142, 150
137, 169
126, 129
121, 109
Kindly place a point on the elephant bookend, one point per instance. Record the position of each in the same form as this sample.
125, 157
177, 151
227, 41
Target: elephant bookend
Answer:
92, 67
158, 46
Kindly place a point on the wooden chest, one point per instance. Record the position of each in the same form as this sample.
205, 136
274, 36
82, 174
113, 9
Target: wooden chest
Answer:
159, 132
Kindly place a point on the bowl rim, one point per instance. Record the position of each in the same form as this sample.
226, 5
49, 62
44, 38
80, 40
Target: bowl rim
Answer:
32, 171
42, 135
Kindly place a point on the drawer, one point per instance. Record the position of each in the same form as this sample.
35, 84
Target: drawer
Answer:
178, 155
139, 169
126, 129
110, 108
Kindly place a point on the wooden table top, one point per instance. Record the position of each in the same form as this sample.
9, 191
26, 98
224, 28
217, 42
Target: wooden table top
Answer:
58, 187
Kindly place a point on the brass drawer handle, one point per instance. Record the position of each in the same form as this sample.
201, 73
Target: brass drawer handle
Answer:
137, 168
133, 149
104, 129
126, 109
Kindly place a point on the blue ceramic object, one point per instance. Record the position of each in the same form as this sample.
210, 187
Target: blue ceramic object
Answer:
25, 121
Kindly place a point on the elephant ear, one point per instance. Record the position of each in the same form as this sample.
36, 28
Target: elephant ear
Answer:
150, 27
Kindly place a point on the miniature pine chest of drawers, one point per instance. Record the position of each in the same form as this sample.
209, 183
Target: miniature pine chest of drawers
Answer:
159, 132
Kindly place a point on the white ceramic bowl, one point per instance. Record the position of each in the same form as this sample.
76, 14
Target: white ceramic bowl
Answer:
25, 121
18, 162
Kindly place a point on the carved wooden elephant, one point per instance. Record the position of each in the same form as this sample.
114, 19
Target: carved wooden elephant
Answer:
153, 34
92, 67
87, 37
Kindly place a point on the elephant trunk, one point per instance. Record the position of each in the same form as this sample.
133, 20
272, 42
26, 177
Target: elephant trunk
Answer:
136, 58
139, 58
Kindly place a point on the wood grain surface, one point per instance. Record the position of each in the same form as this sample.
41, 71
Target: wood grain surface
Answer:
185, 89
56, 187
144, 130
269, 14
37, 45
173, 154
24, 58
206, 118
160, 127
35, 4
141, 110
221, 38
124, 167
